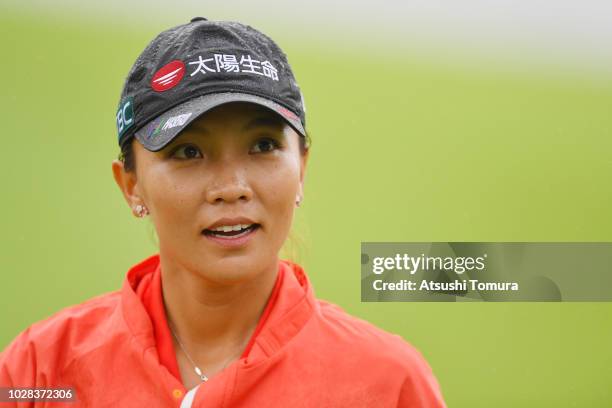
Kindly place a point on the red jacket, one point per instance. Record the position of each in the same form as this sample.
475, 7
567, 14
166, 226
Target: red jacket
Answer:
116, 351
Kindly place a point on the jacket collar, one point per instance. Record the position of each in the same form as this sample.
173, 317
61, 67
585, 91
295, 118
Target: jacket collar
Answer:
290, 312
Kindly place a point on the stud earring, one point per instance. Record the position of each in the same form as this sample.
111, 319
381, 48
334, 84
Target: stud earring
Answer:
298, 201
141, 210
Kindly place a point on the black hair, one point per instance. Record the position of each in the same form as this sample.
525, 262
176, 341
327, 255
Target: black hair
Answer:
129, 161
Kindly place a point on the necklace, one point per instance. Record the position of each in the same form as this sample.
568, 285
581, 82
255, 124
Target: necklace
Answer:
197, 370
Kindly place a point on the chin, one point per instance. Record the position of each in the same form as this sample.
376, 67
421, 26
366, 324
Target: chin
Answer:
231, 268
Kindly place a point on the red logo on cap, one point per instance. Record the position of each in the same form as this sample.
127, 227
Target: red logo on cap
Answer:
168, 76
287, 113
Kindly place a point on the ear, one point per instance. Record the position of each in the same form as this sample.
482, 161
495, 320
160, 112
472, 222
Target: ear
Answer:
128, 184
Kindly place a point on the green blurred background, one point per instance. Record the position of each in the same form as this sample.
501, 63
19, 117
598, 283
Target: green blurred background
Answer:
408, 145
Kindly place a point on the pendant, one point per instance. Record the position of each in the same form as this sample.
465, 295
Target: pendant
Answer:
200, 374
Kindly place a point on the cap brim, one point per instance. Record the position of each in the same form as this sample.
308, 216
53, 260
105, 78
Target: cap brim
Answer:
156, 134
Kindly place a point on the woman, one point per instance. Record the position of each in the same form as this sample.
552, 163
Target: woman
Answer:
211, 125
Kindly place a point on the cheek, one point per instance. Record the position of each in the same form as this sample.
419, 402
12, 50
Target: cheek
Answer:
278, 191
172, 201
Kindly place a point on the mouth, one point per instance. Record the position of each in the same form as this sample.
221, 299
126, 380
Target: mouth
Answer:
231, 231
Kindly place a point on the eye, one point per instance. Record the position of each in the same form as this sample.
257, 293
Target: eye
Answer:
266, 144
186, 151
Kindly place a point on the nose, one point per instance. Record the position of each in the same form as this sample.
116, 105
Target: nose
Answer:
229, 185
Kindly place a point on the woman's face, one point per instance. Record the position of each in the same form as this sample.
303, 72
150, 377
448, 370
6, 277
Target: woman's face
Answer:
238, 160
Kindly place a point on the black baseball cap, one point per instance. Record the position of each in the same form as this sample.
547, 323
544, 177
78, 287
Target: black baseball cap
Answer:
191, 68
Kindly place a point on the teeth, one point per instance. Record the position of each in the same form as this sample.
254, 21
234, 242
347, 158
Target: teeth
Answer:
228, 228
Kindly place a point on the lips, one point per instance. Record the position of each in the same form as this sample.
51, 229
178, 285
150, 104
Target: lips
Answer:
234, 233
225, 221
228, 238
